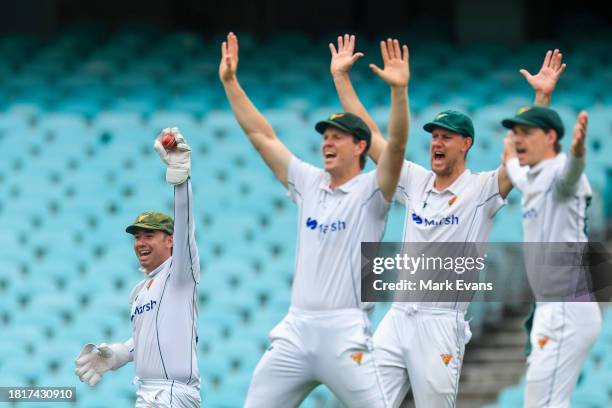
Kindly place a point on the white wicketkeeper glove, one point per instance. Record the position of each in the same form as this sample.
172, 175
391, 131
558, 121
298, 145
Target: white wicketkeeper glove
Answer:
94, 361
178, 159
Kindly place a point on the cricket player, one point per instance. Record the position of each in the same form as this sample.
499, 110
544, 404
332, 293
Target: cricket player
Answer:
555, 197
325, 338
164, 304
422, 343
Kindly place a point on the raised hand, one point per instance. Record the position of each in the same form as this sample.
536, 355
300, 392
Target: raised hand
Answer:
178, 159
544, 82
343, 59
396, 71
509, 148
229, 58
579, 135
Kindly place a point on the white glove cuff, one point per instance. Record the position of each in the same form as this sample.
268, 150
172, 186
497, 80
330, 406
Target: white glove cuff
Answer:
121, 355
177, 175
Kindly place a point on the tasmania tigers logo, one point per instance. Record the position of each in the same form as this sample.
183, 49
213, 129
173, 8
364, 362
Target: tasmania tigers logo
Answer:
357, 357
542, 341
446, 358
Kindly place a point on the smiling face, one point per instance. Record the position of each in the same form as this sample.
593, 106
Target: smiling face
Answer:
447, 151
152, 248
533, 144
340, 151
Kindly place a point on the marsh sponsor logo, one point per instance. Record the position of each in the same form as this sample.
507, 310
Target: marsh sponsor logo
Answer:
450, 220
530, 214
147, 307
313, 224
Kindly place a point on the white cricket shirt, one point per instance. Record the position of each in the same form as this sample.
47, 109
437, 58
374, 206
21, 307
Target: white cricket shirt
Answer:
463, 212
165, 308
331, 227
555, 198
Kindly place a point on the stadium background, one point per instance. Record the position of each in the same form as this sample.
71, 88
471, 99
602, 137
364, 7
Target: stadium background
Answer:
84, 89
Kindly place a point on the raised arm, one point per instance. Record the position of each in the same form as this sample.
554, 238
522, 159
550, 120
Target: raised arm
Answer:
545, 81
185, 256
543, 84
510, 173
252, 122
575, 164
342, 61
396, 74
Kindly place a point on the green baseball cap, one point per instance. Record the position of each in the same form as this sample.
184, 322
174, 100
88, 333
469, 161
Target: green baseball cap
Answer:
454, 121
349, 123
536, 116
152, 220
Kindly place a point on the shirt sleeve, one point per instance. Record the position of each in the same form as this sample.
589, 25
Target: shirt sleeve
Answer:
185, 256
130, 346
374, 198
410, 172
491, 198
300, 176
567, 181
517, 174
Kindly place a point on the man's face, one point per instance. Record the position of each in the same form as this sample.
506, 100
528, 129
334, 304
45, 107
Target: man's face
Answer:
152, 248
447, 150
340, 150
533, 144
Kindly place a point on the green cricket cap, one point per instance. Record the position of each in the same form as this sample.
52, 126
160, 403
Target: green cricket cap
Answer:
536, 116
454, 121
349, 123
152, 220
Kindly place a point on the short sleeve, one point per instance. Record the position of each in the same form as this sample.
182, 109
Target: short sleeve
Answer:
301, 176
411, 173
491, 199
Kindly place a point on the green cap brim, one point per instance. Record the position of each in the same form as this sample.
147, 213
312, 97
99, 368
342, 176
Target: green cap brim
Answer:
322, 125
429, 127
511, 123
132, 229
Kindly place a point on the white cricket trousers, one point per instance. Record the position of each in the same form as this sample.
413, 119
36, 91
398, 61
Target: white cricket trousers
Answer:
309, 348
166, 394
422, 347
561, 338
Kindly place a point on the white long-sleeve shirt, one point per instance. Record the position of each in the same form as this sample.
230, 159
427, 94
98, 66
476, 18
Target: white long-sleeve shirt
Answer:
556, 195
164, 306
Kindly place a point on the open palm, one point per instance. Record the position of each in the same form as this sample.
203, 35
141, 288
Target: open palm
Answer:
396, 71
229, 58
545, 81
343, 59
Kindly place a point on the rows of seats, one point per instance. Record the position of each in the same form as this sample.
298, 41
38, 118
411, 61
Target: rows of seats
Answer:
78, 114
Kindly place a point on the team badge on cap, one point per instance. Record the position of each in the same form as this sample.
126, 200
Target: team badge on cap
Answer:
336, 116
523, 109
446, 358
357, 357
440, 116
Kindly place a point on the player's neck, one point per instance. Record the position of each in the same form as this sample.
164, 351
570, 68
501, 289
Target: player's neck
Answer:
547, 156
339, 177
444, 181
